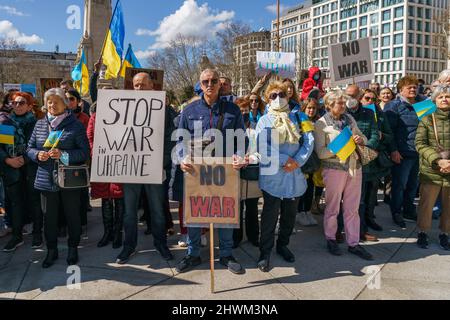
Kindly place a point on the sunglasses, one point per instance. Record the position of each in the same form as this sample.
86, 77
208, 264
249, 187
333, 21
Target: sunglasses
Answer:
370, 99
212, 82
20, 103
275, 95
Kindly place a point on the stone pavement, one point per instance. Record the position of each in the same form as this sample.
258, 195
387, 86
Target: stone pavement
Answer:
401, 270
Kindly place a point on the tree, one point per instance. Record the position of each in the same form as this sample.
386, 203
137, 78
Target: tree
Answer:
441, 37
10, 66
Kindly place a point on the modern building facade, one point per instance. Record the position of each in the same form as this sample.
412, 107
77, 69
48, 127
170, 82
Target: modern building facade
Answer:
404, 34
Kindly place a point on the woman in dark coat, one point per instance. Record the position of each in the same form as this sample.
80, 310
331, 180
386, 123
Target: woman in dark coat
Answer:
72, 149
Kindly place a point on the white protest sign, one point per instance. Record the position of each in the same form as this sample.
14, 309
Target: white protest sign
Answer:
280, 63
351, 62
129, 137
11, 86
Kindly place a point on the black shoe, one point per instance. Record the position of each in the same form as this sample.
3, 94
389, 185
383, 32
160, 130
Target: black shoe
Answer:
398, 220
236, 245
372, 224
263, 263
37, 241
333, 248
340, 238
410, 217
107, 238
13, 244
125, 255
72, 256
117, 240
422, 240
188, 263
52, 256
255, 243
232, 265
443, 241
360, 252
286, 254
165, 253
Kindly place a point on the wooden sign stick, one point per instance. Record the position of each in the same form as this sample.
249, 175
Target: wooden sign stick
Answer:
211, 248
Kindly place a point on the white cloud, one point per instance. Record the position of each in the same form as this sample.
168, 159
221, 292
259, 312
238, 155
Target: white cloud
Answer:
144, 55
8, 31
12, 11
273, 8
189, 20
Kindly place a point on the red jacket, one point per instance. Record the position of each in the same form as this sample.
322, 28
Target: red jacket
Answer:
83, 118
310, 83
102, 190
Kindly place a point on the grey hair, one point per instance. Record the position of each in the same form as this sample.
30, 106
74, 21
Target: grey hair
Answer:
444, 76
56, 92
209, 70
440, 89
333, 96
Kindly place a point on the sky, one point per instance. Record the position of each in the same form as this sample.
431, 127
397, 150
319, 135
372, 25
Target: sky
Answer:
42, 24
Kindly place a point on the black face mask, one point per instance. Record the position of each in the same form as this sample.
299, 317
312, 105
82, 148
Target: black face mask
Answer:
77, 110
246, 117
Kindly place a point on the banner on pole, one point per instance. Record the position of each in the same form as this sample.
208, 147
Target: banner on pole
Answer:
280, 63
212, 195
351, 62
129, 137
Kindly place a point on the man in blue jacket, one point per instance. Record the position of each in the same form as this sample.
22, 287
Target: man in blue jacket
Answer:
405, 173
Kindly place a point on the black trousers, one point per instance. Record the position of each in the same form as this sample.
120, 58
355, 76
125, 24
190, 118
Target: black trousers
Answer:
368, 201
70, 203
251, 222
274, 207
15, 206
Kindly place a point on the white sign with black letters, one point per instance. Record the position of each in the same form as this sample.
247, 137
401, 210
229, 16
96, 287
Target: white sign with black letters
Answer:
351, 62
129, 137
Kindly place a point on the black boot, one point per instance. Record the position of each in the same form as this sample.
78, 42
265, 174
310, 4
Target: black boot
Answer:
119, 208
72, 256
107, 213
52, 255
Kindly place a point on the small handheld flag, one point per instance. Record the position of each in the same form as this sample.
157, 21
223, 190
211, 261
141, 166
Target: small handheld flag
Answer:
374, 109
307, 125
7, 134
424, 108
53, 139
344, 145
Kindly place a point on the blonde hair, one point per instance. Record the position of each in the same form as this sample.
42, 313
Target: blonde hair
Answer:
277, 85
333, 96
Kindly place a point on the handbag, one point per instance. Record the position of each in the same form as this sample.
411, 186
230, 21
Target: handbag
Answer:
251, 173
384, 160
71, 177
444, 154
366, 155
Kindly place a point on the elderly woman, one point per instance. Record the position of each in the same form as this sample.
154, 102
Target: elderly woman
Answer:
281, 178
343, 179
433, 145
72, 149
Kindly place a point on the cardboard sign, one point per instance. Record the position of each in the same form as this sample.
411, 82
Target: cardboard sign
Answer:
211, 195
129, 137
351, 62
280, 63
31, 88
157, 76
47, 84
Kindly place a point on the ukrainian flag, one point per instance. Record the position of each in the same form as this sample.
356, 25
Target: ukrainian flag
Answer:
307, 125
53, 139
7, 134
80, 75
113, 48
130, 61
374, 109
344, 145
424, 108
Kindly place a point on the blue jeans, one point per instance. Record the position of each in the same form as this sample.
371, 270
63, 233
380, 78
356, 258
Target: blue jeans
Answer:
405, 181
225, 241
155, 197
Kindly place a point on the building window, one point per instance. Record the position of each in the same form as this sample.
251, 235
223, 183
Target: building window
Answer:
398, 12
375, 43
386, 41
385, 54
386, 28
418, 52
410, 52
343, 25
427, 40
343, 37
374, 31
375, 55
419, 26
363, 21
411, 11
419, 38
427, 27
398, 52
363, 33
426, 53
353, 35
353, 24
374, 18
411, 24
398, 25
386, 15
410, 38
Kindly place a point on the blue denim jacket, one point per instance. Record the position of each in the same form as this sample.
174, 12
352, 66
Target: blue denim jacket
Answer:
279, 183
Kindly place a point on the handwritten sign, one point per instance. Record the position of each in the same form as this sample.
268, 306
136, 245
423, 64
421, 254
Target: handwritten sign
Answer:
280, 63
211, 195
351, 62
129, 137
157, 76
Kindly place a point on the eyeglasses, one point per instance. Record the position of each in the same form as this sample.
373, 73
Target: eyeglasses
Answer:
370, 99
275, 95
254, 101
20, 103
212, 82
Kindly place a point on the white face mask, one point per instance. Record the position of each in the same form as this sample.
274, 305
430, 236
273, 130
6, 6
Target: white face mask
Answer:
352, 103
278, 103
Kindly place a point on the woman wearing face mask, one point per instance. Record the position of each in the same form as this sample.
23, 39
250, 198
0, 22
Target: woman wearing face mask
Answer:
72, 149
281, 178
342, 179
386, 96
433, 145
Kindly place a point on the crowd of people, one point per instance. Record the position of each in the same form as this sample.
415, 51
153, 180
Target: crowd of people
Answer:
409, 152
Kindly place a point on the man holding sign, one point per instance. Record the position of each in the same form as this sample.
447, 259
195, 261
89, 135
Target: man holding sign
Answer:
197, 119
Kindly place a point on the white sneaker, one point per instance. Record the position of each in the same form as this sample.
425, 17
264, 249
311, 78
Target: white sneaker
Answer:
183, 241
302, 219
312, 220
84, 233
27, 229
204, 240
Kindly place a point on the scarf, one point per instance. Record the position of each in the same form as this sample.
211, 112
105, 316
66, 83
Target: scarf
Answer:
56, 121
338, 124
287, 130
252, 117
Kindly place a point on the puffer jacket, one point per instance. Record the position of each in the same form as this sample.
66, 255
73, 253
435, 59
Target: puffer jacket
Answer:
310, 83
427, 147
74, 141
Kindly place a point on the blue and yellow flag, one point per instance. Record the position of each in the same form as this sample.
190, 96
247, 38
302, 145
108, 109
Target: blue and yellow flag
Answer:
113, 48
53, 139
130, 61
374, 109
7, 134
344, 145
424, 108
80, 75
307, 125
